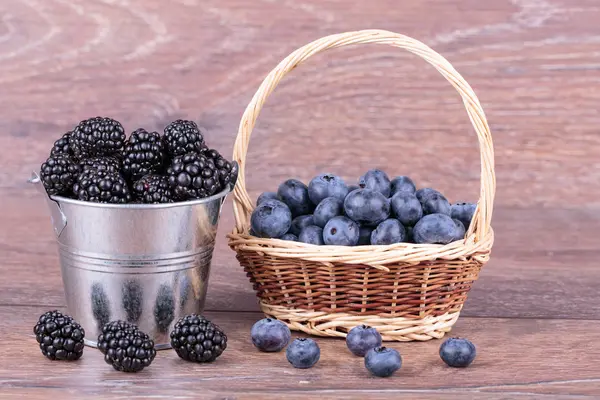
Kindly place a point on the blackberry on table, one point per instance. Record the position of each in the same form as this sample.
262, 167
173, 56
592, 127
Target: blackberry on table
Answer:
110, 163
97, 136
143, 154
125, 347
182, 137
227, 170
193, 176
59, 336
102, 187
196, 339
59, 173
153, 189
62, 145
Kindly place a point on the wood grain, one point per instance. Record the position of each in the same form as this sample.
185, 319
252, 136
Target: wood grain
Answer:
534, 65
505, 346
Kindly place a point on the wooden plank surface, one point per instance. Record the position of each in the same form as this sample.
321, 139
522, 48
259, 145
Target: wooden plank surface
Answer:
534, 64
516, 357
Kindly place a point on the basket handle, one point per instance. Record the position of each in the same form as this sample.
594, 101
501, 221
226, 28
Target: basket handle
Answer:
243, 205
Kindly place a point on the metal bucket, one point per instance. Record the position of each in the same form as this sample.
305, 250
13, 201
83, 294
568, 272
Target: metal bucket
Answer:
143, 263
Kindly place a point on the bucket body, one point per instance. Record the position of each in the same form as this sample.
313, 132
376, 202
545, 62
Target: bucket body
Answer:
145, 264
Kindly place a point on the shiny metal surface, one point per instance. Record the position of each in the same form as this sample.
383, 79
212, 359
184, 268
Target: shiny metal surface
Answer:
146, 264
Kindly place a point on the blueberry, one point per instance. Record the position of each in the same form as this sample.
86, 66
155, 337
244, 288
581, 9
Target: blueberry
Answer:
289, 236
403, 184
407, 208
463, 212
435, 228
388, 232
271, 219
328, 208
435, 203
295, 194
364, 235
303, 353
367, 207
311, 234
460, 230
376, 180
270, 335
383, 361
341, 231
300, 223
423, 193
327, 185
457, 352
266, 196
361, 339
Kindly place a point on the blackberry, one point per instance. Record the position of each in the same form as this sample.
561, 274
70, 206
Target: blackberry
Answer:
143, 154
125, 347
227, 170
193, 176
153, 189
97, 137
59, 336
59, 173
195, 338
62, 145
102, 187
182, 137
110, 163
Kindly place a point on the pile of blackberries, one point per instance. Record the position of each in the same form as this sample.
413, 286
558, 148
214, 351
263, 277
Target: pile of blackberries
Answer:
97, 162
377, 211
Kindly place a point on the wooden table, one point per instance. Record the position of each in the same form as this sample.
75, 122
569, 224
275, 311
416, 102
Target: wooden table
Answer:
534, 314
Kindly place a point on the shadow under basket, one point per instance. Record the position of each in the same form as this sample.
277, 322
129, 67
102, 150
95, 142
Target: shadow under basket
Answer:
406, 291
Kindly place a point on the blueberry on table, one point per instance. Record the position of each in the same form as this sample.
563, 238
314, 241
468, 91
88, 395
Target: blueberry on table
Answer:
463, 212
270, 335
435, 229
458, 352
407, 208
388, 232
402, 184
376, 180
271, 219
290, 237
312, 234
327, 185
266, 196
328, 208
341, 231
303, 353
367, 207
383, 361
435, 203
364, 235
361, 339
300, 223
294, 193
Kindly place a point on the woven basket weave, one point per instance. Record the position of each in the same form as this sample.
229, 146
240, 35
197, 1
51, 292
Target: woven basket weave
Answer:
407, 291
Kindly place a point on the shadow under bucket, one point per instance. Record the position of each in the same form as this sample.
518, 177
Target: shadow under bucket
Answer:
147, 264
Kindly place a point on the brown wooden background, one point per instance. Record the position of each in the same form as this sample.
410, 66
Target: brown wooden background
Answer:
535, 65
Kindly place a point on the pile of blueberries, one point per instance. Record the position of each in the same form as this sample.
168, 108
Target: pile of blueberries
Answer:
271, 335
377, 211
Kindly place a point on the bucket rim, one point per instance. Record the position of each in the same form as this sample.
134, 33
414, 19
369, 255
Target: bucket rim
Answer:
217, 196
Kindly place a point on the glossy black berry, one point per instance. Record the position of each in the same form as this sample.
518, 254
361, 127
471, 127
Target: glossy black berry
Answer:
62, 145
193, 176
109, 163
227, 170
182, 137
97, 136
59, 336
125, 347
58, 174
143, 154
101, 186
196, 339
152, 189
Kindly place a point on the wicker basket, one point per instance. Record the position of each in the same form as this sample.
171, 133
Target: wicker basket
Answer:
407, 291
